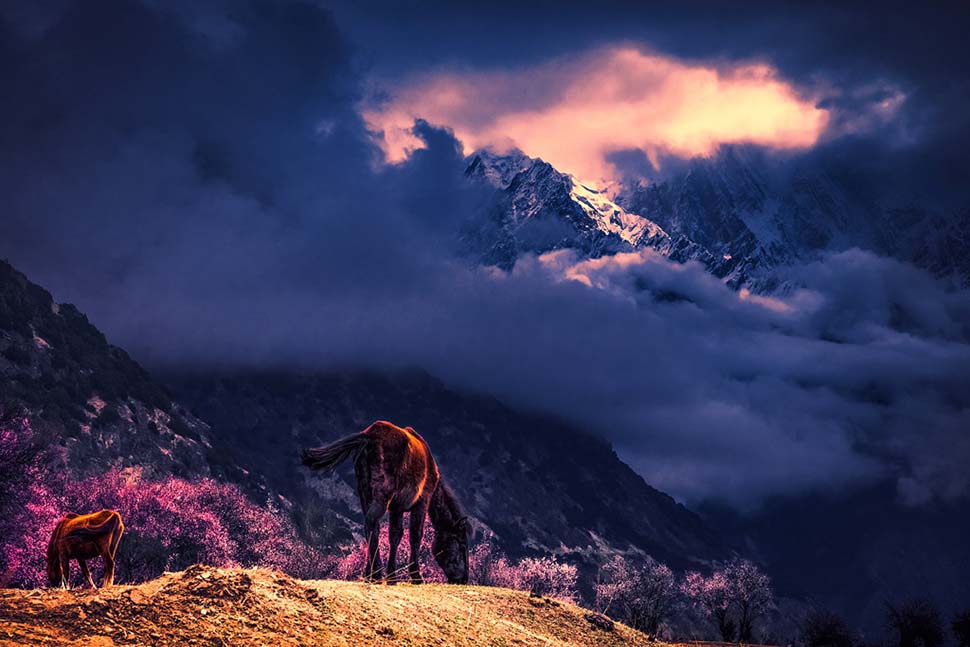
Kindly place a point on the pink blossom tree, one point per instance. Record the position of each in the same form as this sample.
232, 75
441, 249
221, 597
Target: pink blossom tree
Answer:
171, 523
738, 588
642, 595
539, 575
711, 597
749, 591
545, 576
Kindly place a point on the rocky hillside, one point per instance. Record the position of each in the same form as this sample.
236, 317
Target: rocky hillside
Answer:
209, 606
539, 485
85, 394
534, 483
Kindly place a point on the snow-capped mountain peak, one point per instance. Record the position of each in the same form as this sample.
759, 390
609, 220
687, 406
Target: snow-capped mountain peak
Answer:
541, 209
611, 218
740, 212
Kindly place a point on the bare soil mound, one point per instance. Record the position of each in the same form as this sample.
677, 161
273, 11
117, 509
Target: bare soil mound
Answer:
214, 606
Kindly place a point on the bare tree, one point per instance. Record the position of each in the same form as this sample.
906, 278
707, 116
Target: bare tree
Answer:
917, 623
641, 595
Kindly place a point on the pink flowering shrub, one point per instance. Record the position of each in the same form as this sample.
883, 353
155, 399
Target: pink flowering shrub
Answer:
352, 564
487, 566
541, 576
170, 523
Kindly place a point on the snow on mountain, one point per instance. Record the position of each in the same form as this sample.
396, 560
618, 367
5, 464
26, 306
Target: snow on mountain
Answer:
610, 218
539, 209
738, 212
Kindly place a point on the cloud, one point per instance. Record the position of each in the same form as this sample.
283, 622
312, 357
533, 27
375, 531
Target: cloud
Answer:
210, 199
608, 100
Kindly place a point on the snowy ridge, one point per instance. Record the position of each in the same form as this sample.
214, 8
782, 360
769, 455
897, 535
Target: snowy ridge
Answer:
612, 218
741, 213
540, 209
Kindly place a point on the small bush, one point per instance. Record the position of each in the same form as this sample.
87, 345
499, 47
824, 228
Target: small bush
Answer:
824, 629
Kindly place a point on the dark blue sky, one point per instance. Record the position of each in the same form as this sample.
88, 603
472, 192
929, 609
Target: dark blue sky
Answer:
198, 178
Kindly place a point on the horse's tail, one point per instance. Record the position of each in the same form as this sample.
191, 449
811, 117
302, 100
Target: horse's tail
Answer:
330, 456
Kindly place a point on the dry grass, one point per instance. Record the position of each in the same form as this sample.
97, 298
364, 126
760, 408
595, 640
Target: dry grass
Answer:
210, 606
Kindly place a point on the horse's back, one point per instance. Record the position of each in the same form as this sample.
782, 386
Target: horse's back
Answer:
405, 459
398, 444
89, 523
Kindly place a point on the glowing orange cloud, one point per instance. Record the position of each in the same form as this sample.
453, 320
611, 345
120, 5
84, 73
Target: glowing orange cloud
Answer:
573, 112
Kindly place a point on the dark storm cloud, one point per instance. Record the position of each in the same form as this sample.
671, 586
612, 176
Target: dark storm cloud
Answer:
197, 178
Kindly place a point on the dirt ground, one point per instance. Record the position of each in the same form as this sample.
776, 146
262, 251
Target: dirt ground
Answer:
212, 606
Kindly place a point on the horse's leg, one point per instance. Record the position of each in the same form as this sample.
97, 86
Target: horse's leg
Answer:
109, 570
395, 532
65, 570
109, 557
86, 572
415, 535
372, 529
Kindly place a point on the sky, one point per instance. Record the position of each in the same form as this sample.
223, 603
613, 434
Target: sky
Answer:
229, 185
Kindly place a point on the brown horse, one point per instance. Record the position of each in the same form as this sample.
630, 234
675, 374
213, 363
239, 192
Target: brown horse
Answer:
396, 473
84, 537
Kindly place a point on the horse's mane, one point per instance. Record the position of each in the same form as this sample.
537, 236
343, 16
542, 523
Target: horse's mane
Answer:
444, 508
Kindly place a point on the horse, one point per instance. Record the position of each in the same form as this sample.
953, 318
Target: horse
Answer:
396, 473
84, 537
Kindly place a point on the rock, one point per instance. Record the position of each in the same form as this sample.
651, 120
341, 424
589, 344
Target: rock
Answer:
137, 597
94, 641
599, 621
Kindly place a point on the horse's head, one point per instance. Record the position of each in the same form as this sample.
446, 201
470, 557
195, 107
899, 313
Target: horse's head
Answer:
450, 550
54, 572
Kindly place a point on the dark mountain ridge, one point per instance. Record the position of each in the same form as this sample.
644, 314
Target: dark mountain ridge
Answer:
538, 485
85, 394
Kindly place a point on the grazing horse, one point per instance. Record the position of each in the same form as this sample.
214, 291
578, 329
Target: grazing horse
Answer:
84, 537
396, 474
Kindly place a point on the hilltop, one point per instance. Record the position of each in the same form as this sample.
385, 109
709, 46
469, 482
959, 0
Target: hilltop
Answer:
214, 606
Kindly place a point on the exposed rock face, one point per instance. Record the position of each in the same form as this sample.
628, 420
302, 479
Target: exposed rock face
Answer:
59, 370
539, 209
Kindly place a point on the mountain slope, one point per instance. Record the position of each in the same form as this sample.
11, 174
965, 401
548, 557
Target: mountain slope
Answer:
539, 485
85, 394
740, 213
204, 605
852, 552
